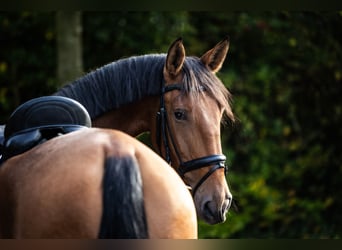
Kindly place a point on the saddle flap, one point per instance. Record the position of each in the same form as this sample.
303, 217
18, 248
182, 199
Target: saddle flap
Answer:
21, 142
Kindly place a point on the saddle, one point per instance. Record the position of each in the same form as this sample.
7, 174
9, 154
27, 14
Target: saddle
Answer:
39, 120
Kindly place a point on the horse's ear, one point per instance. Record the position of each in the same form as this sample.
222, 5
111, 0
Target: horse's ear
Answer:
174, 59
215, 57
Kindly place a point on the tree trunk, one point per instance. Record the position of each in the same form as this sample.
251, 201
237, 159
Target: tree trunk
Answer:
69, 46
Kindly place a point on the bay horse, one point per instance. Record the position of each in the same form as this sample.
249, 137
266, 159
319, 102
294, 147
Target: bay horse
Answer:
181, 102
93, 183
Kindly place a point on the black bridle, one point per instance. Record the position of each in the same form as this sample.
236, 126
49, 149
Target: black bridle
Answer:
164, 135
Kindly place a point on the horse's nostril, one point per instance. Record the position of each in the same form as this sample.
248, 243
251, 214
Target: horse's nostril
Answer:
224, 209
230, 199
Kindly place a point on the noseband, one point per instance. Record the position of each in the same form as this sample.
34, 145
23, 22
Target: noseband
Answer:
164, 134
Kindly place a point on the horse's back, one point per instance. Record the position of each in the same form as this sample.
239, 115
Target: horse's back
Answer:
55, 189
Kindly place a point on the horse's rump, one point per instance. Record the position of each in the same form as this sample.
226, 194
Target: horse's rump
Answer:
55, 190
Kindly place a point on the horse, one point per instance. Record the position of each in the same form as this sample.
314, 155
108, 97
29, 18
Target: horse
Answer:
62, 179
180, 102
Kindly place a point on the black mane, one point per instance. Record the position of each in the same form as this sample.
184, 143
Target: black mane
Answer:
117, 83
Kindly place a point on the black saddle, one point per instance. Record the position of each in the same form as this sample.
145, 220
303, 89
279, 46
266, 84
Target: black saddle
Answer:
39, 120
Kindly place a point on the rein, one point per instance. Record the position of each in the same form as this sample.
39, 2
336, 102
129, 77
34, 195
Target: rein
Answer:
164, 136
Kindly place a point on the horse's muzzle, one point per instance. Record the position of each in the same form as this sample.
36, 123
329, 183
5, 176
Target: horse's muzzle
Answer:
214, 213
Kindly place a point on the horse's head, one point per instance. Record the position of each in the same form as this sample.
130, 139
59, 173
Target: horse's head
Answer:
192, 104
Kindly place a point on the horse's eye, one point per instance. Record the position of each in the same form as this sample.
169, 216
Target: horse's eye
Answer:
180, 115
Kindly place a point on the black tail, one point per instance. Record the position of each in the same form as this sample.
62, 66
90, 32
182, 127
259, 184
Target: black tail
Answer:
123, 201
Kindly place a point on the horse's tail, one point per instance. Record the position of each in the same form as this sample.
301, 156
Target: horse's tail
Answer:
123, 201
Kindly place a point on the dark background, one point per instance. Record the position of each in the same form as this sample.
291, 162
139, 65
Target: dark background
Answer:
284, 70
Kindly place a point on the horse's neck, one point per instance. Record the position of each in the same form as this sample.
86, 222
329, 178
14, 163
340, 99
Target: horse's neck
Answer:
133, 119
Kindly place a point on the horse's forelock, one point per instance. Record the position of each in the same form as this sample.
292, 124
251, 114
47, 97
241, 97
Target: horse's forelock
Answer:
197, 76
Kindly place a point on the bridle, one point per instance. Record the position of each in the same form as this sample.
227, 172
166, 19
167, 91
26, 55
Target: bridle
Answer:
164, 135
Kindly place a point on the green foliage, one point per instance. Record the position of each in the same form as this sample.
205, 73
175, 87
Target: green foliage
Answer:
284, 70
122, 34
286, 166
27, 58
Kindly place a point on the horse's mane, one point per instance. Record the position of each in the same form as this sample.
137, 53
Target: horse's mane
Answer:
131, 79
117, 83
